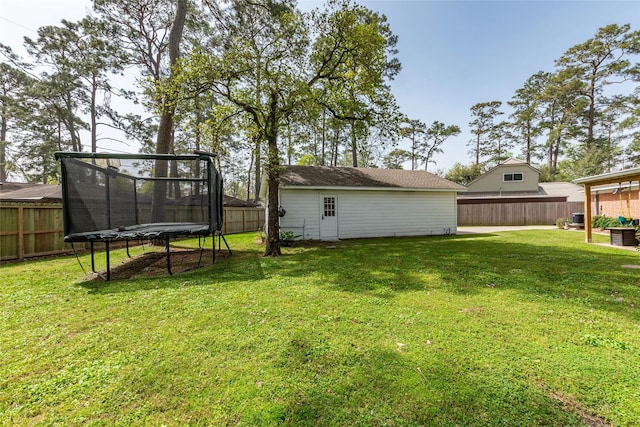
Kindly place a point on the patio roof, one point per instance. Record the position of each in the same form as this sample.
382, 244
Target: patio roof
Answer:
625, 175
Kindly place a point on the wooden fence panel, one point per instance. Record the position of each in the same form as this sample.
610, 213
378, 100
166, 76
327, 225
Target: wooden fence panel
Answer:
36, 229
238, 220
523, 213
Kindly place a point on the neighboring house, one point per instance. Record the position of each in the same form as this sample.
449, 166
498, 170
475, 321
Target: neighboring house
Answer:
330, 203
509, 177
511, 194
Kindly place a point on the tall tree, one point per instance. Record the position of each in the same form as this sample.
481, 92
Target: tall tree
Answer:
499, 143
600, 61
563, 107
396, 158
413, 130
290, 72
12, 83
434, 137
484, 115
150, 32
357, 93
527, 114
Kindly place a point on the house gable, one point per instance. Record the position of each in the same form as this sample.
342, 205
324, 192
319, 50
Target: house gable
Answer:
511, 176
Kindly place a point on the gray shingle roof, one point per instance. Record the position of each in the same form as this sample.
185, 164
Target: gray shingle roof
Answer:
552, 189
30, 192
328, 176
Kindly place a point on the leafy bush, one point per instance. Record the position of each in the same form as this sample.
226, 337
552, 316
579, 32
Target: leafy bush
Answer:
287, 238
562, 223
602, 222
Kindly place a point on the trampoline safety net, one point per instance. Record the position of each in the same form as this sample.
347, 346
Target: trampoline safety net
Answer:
109, 197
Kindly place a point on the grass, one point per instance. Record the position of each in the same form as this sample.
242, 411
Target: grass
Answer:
520, 328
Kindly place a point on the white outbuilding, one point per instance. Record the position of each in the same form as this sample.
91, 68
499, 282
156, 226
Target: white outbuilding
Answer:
331, 203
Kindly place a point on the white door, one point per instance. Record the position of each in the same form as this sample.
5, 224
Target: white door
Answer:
328, 217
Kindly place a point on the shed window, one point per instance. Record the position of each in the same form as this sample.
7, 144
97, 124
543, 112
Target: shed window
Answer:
510, 177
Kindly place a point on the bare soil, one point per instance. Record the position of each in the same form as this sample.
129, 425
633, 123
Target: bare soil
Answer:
154, 264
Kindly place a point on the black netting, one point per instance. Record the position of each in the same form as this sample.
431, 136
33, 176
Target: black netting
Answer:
107, 195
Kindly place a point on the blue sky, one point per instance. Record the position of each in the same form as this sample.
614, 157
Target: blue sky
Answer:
454, 54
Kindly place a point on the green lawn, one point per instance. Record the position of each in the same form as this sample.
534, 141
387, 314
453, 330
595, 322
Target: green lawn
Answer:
517, 328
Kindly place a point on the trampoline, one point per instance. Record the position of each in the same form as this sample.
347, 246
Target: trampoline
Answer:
124, 197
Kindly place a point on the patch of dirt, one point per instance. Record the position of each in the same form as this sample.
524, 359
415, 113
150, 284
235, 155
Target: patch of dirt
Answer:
470, 310
630, 266
154, 264
569, 404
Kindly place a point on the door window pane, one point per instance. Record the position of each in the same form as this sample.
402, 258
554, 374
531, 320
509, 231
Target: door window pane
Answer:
329, 206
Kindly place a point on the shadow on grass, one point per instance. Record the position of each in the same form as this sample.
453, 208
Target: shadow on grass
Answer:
550, 265
243, 265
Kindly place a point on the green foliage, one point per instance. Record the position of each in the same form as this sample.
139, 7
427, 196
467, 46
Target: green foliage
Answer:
483, 127
463, 174
561, 223
288, 238
396, 158
604, 222
456, 330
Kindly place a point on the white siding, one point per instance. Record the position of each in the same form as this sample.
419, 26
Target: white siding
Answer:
375, 213
302, 210
395, 213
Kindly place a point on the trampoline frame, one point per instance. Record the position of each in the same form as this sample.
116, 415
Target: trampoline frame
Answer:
160, 230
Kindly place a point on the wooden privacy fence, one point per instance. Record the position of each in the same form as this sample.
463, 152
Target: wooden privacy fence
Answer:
36, 229
515, 212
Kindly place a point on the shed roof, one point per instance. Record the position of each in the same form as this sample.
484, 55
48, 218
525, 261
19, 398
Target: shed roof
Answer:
329, 176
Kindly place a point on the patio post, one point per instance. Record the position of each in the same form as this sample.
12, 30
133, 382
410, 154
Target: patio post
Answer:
587, 214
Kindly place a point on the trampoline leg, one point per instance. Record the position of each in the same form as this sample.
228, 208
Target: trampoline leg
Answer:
108, 263
127, 243
93, 264
168, 255
213, 249
225, 243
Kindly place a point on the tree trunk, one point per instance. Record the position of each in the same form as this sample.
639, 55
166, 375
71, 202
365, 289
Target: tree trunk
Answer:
413, 151
592, 110
165, 129
257, 168
324, 136
272, 246
249, 178
94, 114
354, 145
3, 144
528, 156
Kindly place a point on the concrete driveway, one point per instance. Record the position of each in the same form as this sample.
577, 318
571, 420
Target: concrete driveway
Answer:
495, 229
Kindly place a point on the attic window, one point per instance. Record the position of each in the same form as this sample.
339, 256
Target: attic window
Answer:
510, 177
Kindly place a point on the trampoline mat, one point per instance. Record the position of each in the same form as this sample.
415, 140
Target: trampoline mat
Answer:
152, 231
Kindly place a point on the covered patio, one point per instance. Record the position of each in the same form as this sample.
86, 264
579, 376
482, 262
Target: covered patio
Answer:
619, 177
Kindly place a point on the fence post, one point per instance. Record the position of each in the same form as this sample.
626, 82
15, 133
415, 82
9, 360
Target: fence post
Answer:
20, 232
